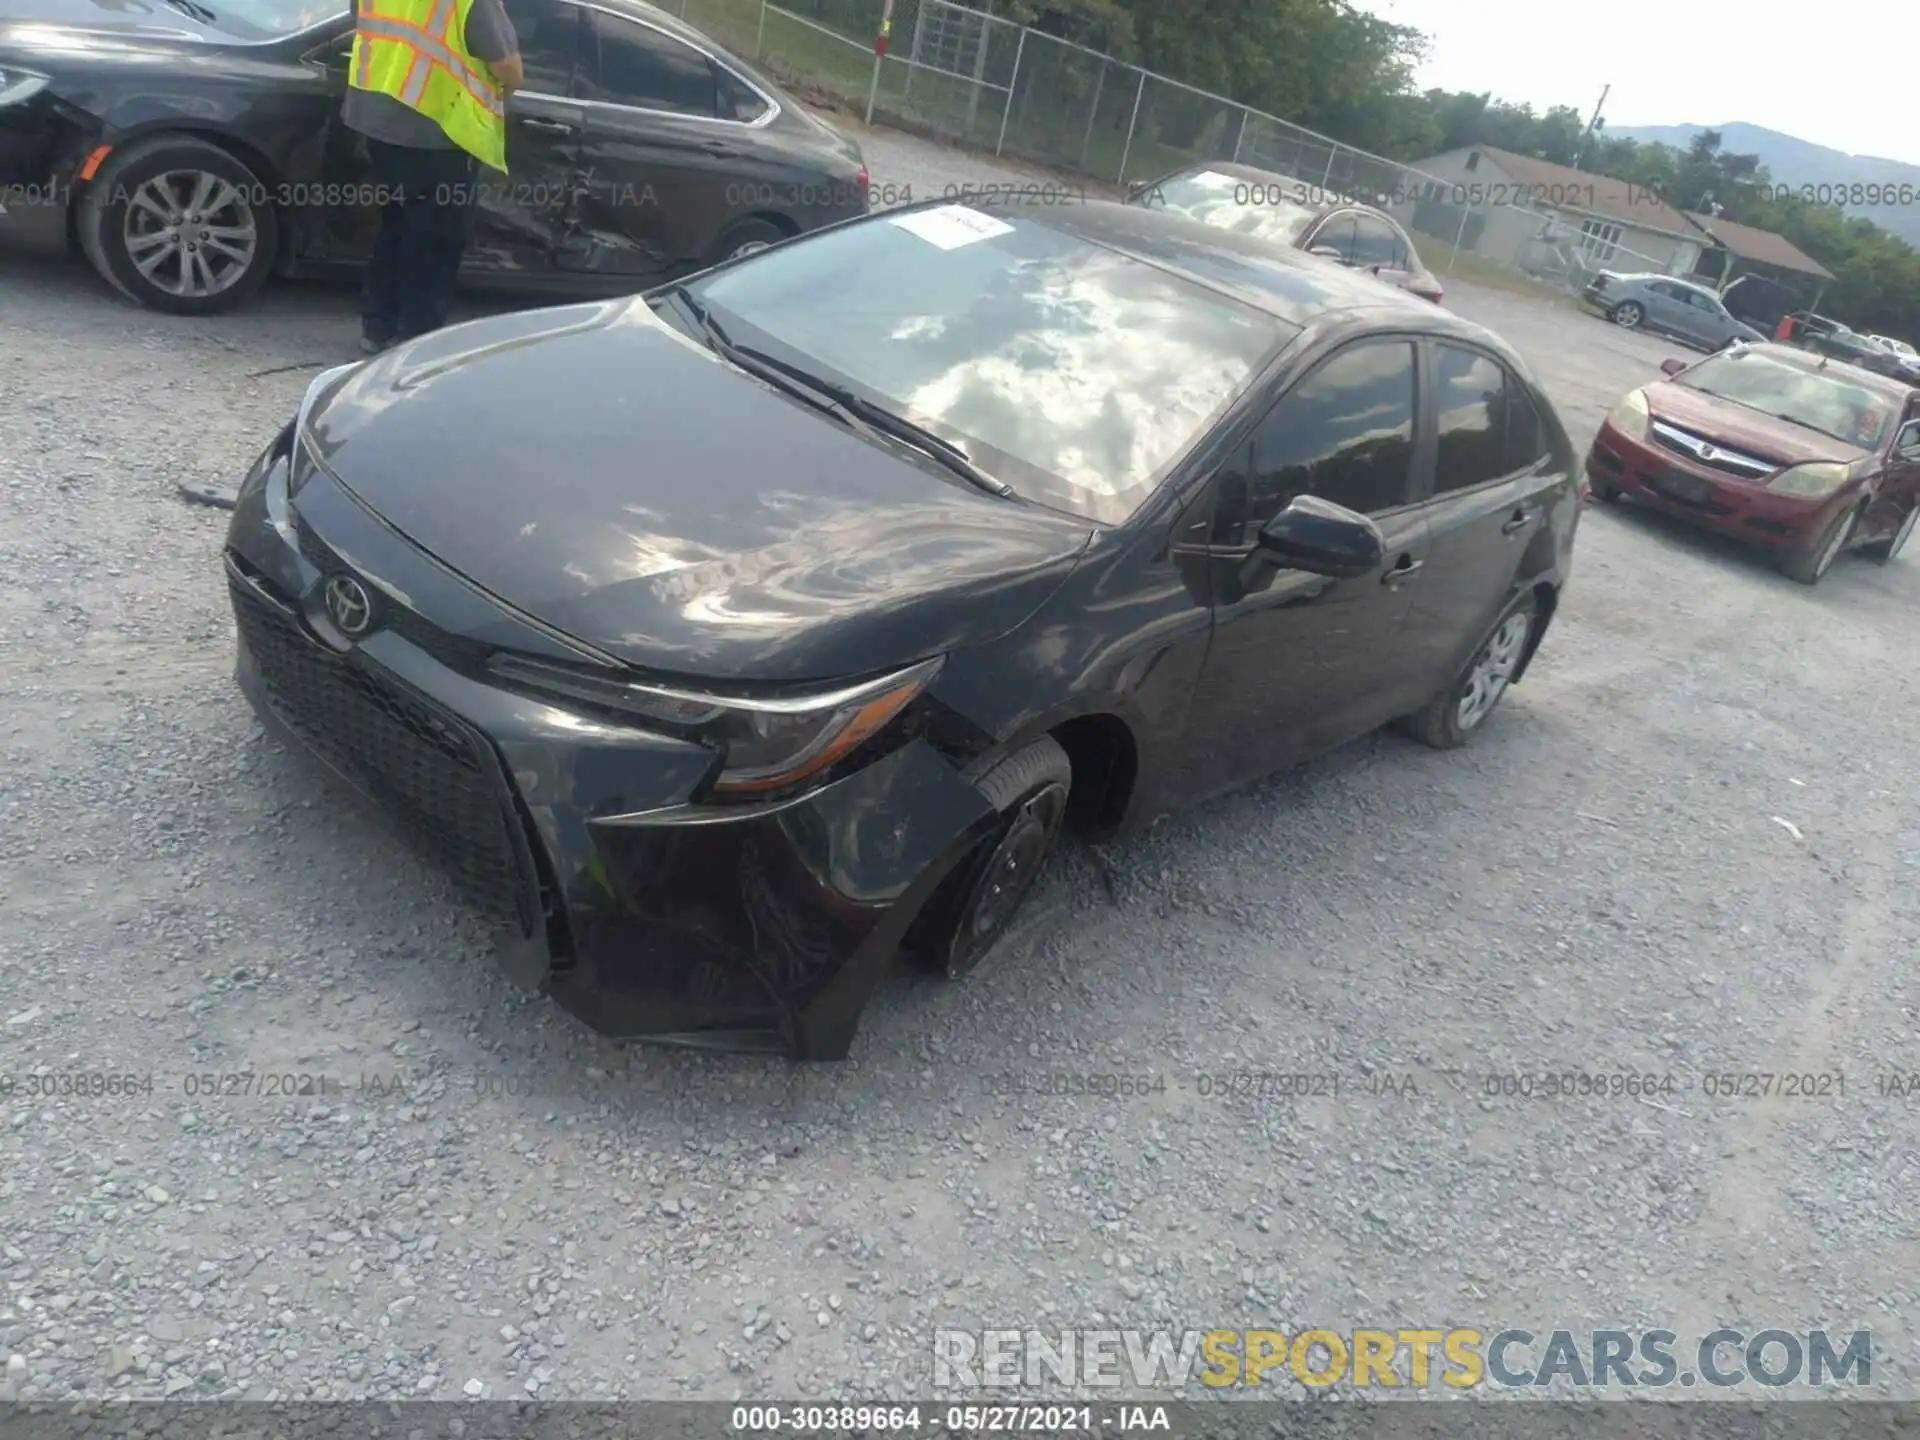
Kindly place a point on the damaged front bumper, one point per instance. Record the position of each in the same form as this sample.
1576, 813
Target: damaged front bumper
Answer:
644, 913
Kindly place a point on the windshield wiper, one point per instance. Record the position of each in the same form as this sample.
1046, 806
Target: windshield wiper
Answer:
758, 365
855, 411
195, 10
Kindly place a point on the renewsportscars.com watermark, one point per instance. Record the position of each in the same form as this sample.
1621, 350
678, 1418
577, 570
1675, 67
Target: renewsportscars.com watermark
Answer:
1440, 1359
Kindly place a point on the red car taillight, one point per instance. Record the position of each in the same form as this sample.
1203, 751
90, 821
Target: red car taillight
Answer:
865, 183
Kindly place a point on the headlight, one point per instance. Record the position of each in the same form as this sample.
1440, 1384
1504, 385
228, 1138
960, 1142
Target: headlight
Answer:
1629, 417
770, 743
19, 85
1815, 481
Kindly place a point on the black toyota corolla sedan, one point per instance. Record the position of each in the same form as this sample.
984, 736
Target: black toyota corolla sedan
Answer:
189, 148
738, 639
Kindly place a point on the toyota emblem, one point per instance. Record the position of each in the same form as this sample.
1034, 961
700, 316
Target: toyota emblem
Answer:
349, 606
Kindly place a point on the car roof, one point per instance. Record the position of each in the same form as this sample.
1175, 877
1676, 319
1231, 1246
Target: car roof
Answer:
1885, 386
1301, 289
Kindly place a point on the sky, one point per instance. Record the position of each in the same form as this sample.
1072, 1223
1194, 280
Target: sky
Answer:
1681, 62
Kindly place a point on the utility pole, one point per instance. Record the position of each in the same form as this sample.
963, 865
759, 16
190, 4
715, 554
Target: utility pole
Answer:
1580, 150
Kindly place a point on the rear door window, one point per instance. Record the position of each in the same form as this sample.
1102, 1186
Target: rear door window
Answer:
1488, 426
1377, 243
1335, 233
643, 68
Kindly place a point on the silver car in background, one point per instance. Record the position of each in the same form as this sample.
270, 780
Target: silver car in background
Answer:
1688, 312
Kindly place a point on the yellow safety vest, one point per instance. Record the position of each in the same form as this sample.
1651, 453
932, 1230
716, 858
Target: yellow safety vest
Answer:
416, 51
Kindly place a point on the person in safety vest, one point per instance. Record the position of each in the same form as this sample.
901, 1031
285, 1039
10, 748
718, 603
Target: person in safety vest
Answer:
426, 85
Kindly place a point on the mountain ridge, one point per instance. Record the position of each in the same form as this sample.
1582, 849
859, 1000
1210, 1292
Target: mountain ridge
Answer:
1805, 166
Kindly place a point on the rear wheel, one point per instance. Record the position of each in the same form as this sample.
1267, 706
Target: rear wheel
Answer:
1808, 566
745, 237
1628, 315
973, 909
1463, 704
1885, 550
179, 225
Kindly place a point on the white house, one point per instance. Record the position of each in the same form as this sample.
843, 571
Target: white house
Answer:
1527, 212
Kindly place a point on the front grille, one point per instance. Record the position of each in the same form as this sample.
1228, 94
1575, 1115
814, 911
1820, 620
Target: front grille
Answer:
421, 765
1727, 462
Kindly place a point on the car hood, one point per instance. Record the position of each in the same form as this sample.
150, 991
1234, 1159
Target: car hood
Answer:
81, 29
1739, 428
594, 468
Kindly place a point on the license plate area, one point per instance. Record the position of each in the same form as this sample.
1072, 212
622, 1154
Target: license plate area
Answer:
1689, 489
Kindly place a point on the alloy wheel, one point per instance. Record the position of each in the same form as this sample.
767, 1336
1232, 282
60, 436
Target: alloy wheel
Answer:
1493, 670
1628, 316
190, 233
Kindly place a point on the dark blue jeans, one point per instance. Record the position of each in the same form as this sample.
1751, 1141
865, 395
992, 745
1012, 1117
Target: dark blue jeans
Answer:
416, 255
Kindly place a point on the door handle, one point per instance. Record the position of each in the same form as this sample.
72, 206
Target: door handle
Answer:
1516, 523
1405, 570
551, 127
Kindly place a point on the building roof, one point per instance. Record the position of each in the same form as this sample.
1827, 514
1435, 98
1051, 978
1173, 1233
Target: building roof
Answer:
1620, 200
1763, 247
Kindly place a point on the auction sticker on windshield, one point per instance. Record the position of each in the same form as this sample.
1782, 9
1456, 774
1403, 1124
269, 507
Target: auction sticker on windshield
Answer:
951, 226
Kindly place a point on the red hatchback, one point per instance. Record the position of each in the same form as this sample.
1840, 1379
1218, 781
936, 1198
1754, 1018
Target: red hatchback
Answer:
1803, 455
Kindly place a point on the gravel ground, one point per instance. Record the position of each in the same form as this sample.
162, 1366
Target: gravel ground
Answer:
489, 1200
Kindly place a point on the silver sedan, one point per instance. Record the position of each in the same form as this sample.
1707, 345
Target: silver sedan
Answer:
1688, 312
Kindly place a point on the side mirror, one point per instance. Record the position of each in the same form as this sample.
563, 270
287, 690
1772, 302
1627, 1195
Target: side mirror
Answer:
1322, 538
1908, 442
1672, 366
1327, 252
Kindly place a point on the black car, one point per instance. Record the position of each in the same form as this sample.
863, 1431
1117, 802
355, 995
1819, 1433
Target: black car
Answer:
1837, 342
191, 147
1762, 303
1297, 214
739, 638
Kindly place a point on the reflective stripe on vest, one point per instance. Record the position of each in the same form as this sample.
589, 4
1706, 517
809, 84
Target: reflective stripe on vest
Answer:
428, 69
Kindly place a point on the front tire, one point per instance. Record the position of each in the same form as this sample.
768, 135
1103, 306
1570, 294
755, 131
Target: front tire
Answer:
973, 909
1460, 708
179, 225
1809, 566
1885, 550
1628, 315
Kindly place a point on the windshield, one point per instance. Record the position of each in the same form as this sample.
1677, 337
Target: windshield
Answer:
1075, 374
1829, 403
1264, 211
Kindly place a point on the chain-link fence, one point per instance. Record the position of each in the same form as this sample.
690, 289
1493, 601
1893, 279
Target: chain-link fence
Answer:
961, 71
